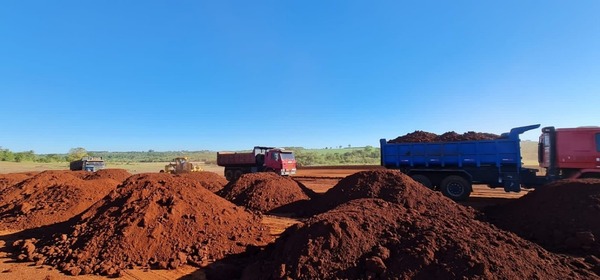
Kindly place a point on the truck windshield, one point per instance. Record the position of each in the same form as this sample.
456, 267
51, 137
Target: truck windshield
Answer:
287, 156
598, 142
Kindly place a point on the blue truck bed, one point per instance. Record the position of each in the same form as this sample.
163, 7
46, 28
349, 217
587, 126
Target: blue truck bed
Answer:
503, 151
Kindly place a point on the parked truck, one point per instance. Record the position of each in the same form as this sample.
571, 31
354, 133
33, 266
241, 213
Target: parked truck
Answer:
88, 164
261, 159
453, 167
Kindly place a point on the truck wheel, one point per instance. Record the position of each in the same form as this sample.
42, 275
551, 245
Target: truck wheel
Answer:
456, 187
237, 174
423, 180
229, 175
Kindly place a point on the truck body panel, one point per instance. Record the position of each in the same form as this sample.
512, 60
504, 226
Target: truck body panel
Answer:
236, 159
578, 148
452, 154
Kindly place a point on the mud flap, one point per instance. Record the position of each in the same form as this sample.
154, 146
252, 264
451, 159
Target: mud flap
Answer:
511, 182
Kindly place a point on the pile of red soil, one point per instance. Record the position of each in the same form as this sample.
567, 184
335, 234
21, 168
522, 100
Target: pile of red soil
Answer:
562, 217
7, 180
389, 185
210, 180
426, 236
115, 174
264, 191
49, 197
151, 220
451, 136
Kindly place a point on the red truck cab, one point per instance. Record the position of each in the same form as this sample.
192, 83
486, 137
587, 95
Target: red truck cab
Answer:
570, 152
280, 161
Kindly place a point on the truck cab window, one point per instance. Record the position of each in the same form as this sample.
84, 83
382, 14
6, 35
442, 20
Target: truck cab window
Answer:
275, 156
598, 142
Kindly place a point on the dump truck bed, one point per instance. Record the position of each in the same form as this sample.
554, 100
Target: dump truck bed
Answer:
235, 159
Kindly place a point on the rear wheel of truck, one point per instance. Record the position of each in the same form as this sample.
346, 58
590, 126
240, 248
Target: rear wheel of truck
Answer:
229, 175
456, 187
424, 180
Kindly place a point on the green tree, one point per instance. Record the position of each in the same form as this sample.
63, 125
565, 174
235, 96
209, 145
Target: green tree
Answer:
25, 156
6, 155
76, 154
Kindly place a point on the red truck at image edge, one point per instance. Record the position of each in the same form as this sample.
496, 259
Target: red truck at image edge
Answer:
453, 167
261, 159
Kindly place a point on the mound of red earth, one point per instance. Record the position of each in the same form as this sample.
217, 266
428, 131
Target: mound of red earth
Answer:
425, 236
389, 185
151, 220
49, 197
7, 180
116, 174
562, 217
210, 180
264, 191
425, 137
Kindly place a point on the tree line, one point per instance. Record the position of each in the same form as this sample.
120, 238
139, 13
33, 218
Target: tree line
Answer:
304, 157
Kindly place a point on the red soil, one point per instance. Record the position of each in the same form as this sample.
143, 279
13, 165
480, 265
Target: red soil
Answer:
155, 220
210, 180
49, 197
7, 180
451, 136
263, 191
389, 185
415, 234
116, 174
562, 217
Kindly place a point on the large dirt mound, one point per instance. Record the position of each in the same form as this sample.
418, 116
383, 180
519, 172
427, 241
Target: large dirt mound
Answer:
7, 180
376, 239
263, 191
562, 216
210, 180
425, 137
389, 185
155, 220
115, 174
49, 197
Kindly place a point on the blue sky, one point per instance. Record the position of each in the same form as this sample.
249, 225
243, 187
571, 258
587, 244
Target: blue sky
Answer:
228, 75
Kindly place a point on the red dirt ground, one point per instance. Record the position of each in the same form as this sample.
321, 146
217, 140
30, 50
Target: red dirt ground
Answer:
155, 220
562, 217
49, 197
416, 234
264, 191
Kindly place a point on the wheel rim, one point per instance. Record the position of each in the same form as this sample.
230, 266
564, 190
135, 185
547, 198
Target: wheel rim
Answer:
455, 189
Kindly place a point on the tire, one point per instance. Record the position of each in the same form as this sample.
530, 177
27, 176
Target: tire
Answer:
456, 188
229, 175
237, 174
424, 180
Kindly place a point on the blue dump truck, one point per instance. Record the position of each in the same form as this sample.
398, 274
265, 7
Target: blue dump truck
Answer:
452, 167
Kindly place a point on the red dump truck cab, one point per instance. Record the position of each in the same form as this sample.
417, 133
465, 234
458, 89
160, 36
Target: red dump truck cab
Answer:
261, 159
281, 162
570, 152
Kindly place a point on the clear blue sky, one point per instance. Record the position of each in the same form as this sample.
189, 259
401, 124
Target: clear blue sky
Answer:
223, 75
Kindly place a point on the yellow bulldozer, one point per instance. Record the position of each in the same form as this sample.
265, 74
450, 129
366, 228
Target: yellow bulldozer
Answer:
181, 165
